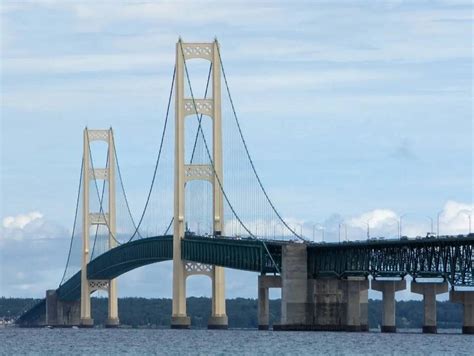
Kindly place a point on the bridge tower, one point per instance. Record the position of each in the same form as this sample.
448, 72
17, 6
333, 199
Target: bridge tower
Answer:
187, 172
91, 219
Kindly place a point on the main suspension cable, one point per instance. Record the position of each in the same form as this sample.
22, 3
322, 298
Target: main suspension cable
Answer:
74, 224
123, 190
157, 159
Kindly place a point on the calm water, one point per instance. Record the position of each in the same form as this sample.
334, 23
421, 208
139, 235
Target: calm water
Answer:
246, 342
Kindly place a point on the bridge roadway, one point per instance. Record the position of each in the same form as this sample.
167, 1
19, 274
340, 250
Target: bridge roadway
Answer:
448, 257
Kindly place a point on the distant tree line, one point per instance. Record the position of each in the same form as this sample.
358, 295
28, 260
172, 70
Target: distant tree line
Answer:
242, 312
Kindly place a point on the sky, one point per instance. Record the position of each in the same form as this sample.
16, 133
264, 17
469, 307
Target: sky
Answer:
354, 112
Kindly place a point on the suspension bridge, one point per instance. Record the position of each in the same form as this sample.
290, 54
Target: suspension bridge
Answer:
207, 209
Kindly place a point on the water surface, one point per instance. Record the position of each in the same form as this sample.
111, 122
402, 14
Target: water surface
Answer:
221, 342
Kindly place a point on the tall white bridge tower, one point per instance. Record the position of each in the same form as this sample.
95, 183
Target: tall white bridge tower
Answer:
89, 219
187, 172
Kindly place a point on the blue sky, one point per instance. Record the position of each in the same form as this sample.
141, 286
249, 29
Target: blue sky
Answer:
353, 110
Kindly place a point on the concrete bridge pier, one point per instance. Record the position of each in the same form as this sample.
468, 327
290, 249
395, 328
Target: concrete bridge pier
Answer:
467, 300
294, 283
61, 313
357, 303
388, 289
263, 306
429, 291
264, 284
328, 303
339, 305
364, 308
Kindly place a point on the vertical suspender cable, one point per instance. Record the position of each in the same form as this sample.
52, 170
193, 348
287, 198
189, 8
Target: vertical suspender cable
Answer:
248, 154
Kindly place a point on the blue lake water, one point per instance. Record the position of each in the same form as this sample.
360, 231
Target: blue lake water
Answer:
15, 341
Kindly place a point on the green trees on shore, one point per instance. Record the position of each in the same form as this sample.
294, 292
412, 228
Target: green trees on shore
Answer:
242, 312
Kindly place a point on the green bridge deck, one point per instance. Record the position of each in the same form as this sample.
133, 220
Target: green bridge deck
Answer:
448, 257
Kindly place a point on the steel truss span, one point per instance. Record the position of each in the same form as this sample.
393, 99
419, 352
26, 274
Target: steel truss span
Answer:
450, 258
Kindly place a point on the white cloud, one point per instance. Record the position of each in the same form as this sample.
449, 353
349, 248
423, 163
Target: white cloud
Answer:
375, 218
30, 226
454, 218
33, 254
20, 221
377, 223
